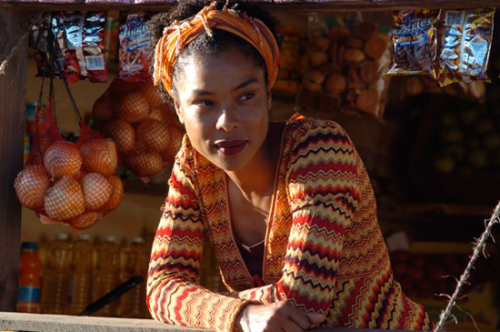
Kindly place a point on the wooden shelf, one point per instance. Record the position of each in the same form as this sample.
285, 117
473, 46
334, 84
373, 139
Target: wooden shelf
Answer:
283, 5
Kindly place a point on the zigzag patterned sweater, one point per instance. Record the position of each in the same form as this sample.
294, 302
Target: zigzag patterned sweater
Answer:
324, 251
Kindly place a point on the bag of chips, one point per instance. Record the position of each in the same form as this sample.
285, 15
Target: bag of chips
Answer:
465, 45
135, 46
414, 42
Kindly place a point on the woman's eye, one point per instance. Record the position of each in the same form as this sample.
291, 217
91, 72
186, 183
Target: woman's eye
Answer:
204, 103
247, 96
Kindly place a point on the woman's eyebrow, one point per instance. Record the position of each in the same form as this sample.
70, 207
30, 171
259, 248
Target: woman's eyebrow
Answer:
246, 83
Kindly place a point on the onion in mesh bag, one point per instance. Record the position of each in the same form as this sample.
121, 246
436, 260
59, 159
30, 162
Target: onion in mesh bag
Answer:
132, 107
116, 196
96, 191
85, 221
122, 133
100, 156
154, 134
31, 185
64, 200
144, 163
62, 158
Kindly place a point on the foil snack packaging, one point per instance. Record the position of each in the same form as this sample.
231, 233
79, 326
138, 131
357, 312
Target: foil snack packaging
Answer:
465, 45
135, 47
414, 42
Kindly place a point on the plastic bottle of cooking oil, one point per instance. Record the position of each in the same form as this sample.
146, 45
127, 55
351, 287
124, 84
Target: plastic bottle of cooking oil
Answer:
56, 276
135, 260
107, 274
79, 293
28, 299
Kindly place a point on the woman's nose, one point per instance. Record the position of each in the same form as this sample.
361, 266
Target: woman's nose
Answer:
227, 120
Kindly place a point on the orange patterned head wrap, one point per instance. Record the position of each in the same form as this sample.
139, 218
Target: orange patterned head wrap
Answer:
180, 34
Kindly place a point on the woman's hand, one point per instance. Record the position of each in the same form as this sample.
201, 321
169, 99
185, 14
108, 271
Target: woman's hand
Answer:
277, 317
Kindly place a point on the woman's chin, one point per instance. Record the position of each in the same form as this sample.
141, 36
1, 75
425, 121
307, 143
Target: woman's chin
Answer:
232, 164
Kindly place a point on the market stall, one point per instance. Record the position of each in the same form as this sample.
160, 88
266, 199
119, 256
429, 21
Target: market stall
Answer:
335, 55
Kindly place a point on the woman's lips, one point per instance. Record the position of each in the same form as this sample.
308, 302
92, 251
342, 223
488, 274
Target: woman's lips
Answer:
230, 148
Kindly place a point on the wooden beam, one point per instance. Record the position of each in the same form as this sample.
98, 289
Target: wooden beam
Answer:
13, 27
60, 323
280, 5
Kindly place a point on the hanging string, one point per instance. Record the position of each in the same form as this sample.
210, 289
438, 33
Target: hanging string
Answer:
478, 249
54, 50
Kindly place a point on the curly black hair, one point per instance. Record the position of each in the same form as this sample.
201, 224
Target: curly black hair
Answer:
219, 42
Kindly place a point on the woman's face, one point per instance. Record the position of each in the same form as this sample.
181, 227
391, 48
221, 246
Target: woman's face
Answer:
223, 103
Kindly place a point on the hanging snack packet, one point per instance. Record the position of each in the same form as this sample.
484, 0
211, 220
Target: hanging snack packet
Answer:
414, 41
466, 44
92, 46
69, 40
135, 46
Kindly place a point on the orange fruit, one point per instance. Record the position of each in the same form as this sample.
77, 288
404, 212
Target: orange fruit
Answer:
100, 156
154, 134
174, 146
96, 191
122, 133
62, 158
116, 196
151, 94
30, 185
64, 200
132, 107
144, 164
85, 221
101, 111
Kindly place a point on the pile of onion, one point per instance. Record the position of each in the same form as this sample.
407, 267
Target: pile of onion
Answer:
141, 124
72, 185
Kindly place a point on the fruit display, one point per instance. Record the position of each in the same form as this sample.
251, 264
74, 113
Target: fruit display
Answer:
468, 140
134, 116
346, 71
73, 184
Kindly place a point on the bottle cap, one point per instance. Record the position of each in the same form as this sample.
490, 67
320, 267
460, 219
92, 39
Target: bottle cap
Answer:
29, 245
138, 240
84, 237
62, 236
110, 238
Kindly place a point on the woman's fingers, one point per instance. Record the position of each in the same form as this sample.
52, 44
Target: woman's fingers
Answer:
315, 319
287, 325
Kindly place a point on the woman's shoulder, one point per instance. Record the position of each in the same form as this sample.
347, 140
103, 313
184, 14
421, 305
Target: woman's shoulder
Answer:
310, 131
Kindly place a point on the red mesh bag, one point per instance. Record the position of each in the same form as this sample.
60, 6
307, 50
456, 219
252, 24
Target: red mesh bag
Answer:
142, 125
69, 183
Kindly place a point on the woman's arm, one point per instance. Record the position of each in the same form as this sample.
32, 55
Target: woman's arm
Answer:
323, 191
174, 295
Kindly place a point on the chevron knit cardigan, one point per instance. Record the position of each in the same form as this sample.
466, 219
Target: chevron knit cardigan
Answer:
324, 251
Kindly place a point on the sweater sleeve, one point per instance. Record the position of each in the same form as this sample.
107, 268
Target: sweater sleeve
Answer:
173, 293
323, 193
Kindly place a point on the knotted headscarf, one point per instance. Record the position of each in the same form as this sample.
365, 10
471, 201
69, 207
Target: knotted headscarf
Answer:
180, 34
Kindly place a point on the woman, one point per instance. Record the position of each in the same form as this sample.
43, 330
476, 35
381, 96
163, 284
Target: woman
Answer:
288, 208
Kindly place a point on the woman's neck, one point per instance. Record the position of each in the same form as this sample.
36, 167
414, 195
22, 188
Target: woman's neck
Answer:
256, 180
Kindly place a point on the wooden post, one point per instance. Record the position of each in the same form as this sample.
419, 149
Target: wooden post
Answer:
13, 26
